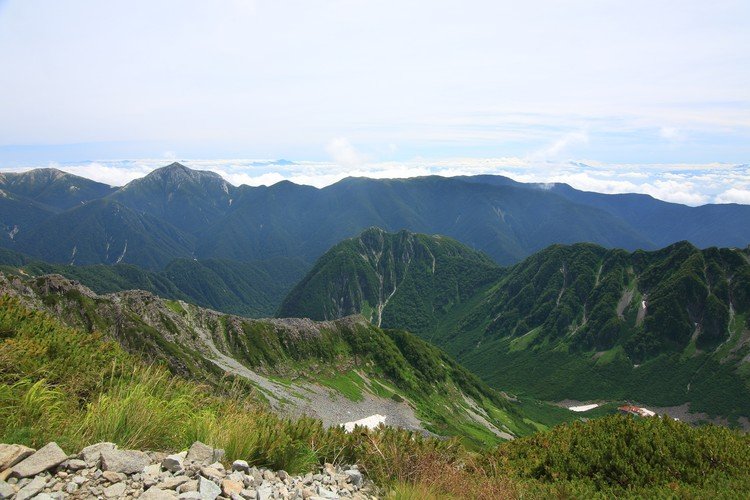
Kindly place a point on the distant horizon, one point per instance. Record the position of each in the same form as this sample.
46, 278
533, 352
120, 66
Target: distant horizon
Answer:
687, 184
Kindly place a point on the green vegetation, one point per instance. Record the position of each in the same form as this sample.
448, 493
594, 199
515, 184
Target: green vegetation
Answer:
349, 384
63, 384
568, 322
414, 278
351, 356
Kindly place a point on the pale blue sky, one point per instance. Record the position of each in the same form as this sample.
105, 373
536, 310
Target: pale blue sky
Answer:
358, 83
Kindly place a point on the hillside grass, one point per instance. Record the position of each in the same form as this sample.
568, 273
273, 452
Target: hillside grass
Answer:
76, 388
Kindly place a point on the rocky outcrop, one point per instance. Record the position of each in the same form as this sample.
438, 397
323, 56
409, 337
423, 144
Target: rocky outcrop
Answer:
105, 472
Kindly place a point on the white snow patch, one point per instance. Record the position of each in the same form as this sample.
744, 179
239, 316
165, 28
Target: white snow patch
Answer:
583, 407
370, 422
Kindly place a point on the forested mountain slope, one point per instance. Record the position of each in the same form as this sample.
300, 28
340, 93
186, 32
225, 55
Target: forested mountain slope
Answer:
403, 280
582, 322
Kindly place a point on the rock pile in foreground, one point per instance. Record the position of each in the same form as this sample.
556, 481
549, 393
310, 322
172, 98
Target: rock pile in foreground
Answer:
103, 471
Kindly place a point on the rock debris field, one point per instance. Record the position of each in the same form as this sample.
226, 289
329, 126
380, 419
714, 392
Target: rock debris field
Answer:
105, 472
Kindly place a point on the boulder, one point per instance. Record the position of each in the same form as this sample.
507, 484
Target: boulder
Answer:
116, 490
43, 459
113, 477
75, 464
355, 477
189, 495
208, 489
92, 454
203, 454
171, 483
173, 463
11, 454
125, 461
6, 490
213, 473
264, 492
240, 465
32, 489
229, 487
157, 494
191, 485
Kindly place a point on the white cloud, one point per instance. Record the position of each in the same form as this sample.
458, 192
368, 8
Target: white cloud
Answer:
675, 191
344, 154
670, 133
734, 195
562, 144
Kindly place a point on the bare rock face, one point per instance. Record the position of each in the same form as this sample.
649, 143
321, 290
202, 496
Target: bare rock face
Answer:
45, 458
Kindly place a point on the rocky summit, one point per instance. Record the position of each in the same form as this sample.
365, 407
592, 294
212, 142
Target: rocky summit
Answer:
104, 471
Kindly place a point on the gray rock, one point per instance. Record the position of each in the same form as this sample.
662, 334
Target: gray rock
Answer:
264, 492
171, 483
6, 490
125, 461
45, 458
71, 488
212, 473
152, 470
240, 465
44, 496
111, 476
92, 454
326, 493
203, 454
355, 477
11, 454
208, 489
190, 495
248, 494
191, 485
115, 491
30, 490
79, 480
157, 494
75, 464
173, 463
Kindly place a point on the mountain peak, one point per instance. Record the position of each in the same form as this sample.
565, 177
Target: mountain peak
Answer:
178, 171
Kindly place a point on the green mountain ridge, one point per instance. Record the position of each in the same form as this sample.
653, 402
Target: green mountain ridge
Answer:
402, 280
299, 366
582, 322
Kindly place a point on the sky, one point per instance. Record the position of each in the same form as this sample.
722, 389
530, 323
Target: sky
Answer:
644, 96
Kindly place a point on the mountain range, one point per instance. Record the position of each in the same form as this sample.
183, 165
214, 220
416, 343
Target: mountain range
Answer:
582, 322
176, 212
489, 269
